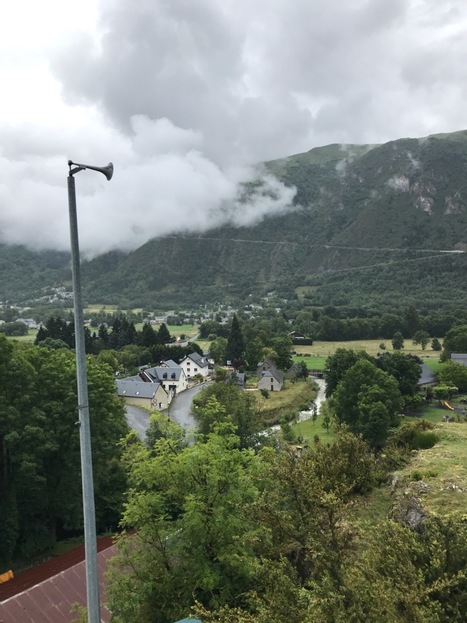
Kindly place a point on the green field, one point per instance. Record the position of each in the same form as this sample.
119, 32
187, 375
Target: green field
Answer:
316, 362
372, 347
443, 469
30, 337
190, 330
308, 429
293, 397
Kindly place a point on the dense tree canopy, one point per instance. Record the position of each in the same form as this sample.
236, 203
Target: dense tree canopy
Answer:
454, 373
338, 364
404, 368
455, 341
40, 466
235, 349
226, 402
368, 400
250, 537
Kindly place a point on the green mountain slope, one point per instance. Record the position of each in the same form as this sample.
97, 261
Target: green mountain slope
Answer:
24, 274
368, 225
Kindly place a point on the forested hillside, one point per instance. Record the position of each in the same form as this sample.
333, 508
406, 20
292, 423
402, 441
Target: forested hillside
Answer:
370, 224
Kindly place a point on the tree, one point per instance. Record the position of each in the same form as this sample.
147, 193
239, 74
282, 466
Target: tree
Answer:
368, 400
41, 457
226, 402
282, 346
217, 350
147, 336
254, 353
193, 540
436, 344
453, 373
404, 368
57, 328
161, 427
235, 349
411, 320
14, 328
338, 364
302, 371
455, 342
163, 335
421, 337
444, 392
398, 341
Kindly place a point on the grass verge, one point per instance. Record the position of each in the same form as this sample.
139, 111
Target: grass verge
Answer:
293, 397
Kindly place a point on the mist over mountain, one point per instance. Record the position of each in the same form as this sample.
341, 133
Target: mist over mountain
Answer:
366, 222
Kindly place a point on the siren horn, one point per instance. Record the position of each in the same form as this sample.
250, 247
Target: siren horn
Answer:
108, 171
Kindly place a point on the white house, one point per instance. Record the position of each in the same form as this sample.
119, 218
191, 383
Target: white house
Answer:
194, 364
169, 374
153, 387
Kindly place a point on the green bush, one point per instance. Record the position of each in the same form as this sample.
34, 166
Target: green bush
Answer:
424, 440
413, 435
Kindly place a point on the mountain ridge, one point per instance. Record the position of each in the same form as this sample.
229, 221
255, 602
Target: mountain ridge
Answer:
356, 206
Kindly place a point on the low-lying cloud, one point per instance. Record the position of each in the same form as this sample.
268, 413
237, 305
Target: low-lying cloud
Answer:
187, 97
163, 184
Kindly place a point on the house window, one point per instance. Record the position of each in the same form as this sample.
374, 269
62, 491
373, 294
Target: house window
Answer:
196, 370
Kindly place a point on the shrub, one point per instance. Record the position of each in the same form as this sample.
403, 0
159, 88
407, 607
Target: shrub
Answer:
409, 436
424, 440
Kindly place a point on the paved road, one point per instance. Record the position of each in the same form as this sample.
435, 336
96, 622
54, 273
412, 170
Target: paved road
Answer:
179, 412
138, 420
180, 408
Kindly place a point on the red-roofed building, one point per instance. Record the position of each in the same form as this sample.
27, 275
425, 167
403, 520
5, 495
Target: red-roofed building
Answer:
51, 599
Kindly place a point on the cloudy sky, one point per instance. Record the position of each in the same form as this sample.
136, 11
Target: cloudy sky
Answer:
185, 96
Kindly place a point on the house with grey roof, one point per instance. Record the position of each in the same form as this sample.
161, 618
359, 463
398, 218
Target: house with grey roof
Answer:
172, 377
272, 380
427, 377
149, 394
153, 387
270, 377
194, 364
459, 358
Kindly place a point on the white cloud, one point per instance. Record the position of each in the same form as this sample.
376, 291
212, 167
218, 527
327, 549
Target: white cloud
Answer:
163, 184
185, 96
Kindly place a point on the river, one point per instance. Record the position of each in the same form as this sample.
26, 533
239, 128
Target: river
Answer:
318, 401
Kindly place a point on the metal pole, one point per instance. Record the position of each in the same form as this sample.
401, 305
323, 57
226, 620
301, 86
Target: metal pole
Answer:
89, 513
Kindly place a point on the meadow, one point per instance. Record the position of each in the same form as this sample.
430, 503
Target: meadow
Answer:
372, 347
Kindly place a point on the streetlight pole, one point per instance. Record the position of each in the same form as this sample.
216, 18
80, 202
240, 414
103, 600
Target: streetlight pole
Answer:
89, 512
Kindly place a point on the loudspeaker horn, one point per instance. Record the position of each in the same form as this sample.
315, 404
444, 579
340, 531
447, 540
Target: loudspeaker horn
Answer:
108, 171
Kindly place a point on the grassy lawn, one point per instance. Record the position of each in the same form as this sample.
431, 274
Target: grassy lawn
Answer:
372, 347
434, 364
204, 344
30, 337
316, 362
184, 329
293, 397
308, 429
93, 309
443, 469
